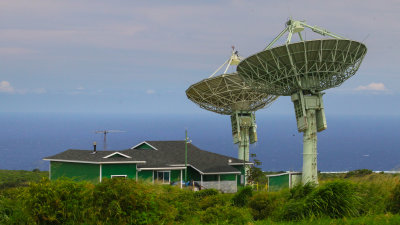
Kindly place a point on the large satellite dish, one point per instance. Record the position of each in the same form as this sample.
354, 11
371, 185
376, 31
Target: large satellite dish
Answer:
302, 70
228, 94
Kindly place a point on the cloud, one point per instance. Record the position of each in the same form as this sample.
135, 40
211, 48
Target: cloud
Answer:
150, 91
372, 87
6, 87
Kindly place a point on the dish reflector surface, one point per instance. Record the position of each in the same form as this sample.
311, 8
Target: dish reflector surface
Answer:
308, 65
227, 93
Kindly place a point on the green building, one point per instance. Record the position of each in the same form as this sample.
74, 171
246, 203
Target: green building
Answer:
280, 181
154, 161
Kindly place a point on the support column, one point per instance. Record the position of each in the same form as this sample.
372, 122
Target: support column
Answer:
244, 153
181, 179
310, 149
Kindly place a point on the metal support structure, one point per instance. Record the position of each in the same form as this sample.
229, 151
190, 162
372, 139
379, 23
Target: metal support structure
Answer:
310, 149
295, 26
244, 133
310, 117
233, 60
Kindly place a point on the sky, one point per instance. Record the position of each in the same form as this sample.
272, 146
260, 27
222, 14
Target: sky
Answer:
127, 56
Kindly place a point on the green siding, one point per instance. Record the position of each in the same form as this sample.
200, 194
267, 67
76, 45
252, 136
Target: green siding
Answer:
117, 156
144, 146
241, 169
76, 171
228, 177
210, 178
175, 175
277, 183
146, 175
118, 169
192, 174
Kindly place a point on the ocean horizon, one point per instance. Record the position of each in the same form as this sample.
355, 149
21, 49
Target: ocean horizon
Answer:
350, 142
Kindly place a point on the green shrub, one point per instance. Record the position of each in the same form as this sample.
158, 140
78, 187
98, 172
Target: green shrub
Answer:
358, 173
335, 199
225, 214
394, 200
213, 200
264, 204
206, 192
20, 178
11, 208
125, 201
58, 202
183, 200
241, 198
301, 191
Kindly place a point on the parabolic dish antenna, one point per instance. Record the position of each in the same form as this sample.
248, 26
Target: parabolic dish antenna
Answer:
302, 70
228, 94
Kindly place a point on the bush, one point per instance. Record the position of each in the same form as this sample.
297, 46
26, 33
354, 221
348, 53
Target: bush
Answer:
358, 173
58, 202
335, 199
301, 191
225, 214
265, 204
213, 200
206, 192
11, 208
125, 201
241, 198
394, 200
183, 200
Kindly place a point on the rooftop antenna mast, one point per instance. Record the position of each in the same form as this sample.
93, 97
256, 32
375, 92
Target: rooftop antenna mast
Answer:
303, 70
228, 94
105, 132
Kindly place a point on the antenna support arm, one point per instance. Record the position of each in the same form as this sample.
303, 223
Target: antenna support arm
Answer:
277, 37
321, 31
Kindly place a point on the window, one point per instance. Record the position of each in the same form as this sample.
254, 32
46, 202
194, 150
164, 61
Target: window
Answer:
164, 176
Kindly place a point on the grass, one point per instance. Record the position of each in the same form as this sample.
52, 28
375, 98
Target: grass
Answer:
340, 199
18, 178
364, 220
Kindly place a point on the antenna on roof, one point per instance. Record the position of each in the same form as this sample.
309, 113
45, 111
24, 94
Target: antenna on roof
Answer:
105, 132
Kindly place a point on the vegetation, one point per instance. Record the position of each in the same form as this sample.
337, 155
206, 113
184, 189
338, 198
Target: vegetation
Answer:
17, 178
357, 199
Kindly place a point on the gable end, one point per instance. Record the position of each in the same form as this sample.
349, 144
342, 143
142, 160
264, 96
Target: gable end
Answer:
144, 146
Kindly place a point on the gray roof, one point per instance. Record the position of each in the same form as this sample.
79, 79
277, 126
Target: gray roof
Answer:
168, 154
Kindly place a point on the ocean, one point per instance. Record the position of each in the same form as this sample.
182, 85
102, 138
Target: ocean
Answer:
349, 143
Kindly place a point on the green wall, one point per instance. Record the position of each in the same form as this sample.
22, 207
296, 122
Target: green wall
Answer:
118, 169
228, 177
277, 183
144, 146
192, 174
146, 175
77, 171
176, 175
210, 177
240, 168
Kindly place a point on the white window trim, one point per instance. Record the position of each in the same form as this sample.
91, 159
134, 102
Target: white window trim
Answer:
112, 176
143, 142
115, 153
163, 171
